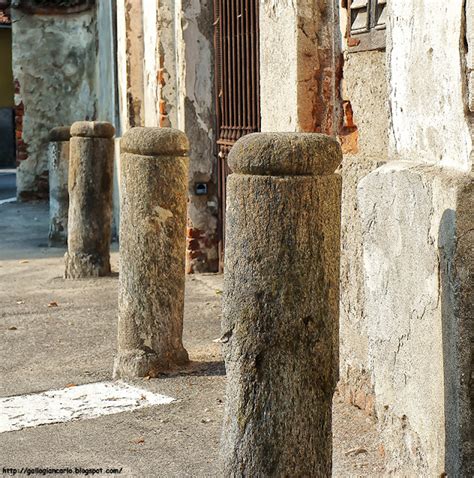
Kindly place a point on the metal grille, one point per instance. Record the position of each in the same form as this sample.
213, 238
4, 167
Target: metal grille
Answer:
236, 38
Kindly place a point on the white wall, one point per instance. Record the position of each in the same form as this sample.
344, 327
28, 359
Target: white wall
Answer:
427, 82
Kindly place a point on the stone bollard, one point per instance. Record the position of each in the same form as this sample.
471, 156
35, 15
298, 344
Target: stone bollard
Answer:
280, 304
58, 158
90, 181
154, 177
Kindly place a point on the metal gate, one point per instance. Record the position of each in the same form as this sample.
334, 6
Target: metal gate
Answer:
236, 40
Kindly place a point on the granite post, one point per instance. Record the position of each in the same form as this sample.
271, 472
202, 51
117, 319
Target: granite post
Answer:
280, 304
58, 158
90, 185
154, 175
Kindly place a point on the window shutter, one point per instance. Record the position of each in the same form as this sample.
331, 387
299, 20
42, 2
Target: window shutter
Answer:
360, 16
380, 14
366, 24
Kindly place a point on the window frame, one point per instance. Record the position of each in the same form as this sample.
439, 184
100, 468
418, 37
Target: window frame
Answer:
374, 36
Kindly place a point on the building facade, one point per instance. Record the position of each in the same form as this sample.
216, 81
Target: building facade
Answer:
392, 79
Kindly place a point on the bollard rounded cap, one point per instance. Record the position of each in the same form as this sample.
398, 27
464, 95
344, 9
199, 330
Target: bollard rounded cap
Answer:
155, 142
285, 154
93, 129
60, 133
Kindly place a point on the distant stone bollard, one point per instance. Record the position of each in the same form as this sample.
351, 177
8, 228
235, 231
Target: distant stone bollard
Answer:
58, 159
280, 304
154, 178
90, 181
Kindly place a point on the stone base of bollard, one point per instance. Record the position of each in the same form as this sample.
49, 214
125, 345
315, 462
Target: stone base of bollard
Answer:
138, 363
80, 265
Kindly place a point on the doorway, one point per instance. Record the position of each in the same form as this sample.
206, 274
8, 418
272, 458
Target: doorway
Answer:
237, 76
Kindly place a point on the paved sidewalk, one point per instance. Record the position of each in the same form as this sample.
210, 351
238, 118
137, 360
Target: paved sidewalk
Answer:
46, 347
7, 184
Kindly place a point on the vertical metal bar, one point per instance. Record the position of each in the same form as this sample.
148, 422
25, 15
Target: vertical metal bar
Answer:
218, 65
253, 62
234, 70
228, 4
239, 72
223, 72
228, 70
248, 99
237, 80
257, 66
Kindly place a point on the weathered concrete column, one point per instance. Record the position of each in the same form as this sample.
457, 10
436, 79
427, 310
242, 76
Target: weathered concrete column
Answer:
418, 232
58, 157
280, 310
154, 175
90, 181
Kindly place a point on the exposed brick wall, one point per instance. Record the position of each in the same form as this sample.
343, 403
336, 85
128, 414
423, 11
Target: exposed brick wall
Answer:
41, 181
21, 146
349, 135
197, 257
4, 16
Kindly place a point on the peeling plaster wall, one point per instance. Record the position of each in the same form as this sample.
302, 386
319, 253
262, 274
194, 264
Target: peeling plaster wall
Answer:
416, 226
150, 63
169, 41
278, 72
417, 221
198, 121
54, 65
300, 62
166, 79
365, 87
130, 62
122, 75
427, 84
106, 83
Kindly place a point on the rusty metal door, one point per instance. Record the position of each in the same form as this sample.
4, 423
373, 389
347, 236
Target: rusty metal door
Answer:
236, 40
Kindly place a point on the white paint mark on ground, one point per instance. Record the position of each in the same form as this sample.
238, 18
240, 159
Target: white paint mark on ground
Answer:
75, 403
4, 201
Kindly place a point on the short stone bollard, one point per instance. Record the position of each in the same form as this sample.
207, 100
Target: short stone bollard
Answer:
58, 159
90, 179
154, 178
280, 304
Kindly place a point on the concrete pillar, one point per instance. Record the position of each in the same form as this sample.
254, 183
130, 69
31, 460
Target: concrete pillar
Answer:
154, 174
91, 165
418, 232
58, 157
303, 35
280, 309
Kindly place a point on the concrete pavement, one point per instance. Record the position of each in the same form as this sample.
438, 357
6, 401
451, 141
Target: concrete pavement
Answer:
7, 183
45, 347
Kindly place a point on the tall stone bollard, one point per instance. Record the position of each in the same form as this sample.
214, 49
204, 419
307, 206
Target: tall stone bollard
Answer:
58, 159
90, 181
154, 176
280, 304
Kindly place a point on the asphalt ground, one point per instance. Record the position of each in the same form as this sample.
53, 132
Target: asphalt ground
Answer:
7, 183
44, 347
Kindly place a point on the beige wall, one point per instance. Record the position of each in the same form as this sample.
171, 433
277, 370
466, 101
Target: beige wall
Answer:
299, 65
